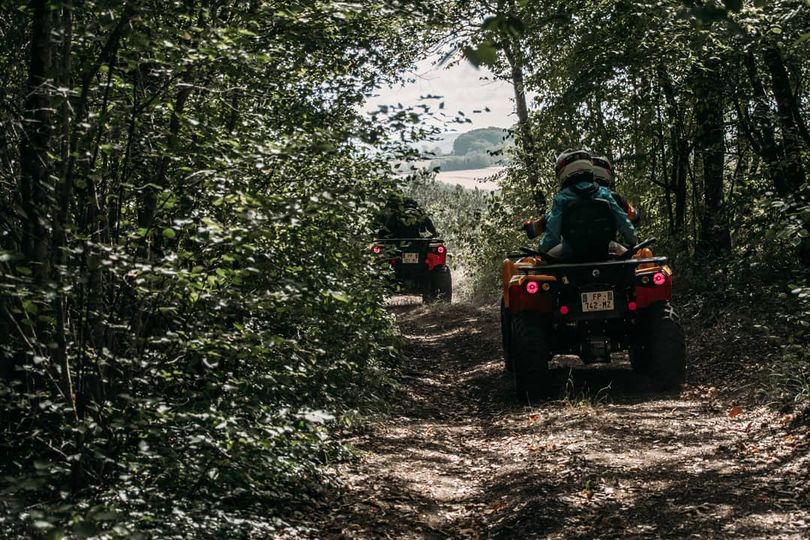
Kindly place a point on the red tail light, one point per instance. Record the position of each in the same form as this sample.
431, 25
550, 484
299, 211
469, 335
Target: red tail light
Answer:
632, 306
532, 287
377, 250
659, 278
563, 310
441, 250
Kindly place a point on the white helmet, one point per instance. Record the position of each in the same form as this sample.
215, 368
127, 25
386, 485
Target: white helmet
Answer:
573, 166
603, 171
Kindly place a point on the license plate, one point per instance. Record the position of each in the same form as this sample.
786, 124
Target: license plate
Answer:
410, 258
597, 301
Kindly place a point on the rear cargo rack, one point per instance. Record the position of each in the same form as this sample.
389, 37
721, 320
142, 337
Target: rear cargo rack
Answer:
421, 239
567, 266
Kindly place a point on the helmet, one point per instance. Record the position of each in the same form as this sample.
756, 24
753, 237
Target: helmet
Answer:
573, 166
603, 171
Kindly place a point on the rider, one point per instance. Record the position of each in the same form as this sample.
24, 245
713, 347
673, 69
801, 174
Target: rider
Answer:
575, 174
402, 218
421, 220
604, 176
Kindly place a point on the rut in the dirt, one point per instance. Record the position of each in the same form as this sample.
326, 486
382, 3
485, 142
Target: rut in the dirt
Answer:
459, 458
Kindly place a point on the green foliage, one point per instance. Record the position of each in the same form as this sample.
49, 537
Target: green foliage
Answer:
484, 53
187, 304
700, 107
624, 79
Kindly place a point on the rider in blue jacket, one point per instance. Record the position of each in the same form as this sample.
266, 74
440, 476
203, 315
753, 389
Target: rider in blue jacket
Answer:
575, 173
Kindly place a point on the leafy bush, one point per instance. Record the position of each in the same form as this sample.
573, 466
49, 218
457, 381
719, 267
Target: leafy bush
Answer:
187, 303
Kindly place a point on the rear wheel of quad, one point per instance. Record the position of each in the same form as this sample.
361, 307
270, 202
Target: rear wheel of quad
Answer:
506, 329
530, 356
440, 286
660, 349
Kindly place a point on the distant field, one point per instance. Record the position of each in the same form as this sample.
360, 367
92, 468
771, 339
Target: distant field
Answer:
482, 179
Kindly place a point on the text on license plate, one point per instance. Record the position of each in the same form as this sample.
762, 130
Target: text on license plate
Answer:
597, 301
410, 258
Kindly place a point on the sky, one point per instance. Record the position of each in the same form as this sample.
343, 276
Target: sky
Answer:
461, 88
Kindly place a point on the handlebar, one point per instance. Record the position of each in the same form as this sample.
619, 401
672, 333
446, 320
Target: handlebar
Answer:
552, 260
542, 254
635, 249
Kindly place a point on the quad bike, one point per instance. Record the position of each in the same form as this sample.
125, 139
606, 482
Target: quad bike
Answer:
598, 301
420, 266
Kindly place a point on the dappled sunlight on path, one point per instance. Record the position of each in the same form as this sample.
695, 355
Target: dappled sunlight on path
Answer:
459, 458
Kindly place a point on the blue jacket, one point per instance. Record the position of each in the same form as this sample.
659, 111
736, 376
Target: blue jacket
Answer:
568, 195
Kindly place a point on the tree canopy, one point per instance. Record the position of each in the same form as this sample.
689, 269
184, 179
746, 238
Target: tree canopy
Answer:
182, 190
188, 307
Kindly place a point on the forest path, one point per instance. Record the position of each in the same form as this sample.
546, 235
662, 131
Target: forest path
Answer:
460, 458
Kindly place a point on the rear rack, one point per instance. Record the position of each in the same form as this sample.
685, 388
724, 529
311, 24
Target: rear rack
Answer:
566, 266
387, 240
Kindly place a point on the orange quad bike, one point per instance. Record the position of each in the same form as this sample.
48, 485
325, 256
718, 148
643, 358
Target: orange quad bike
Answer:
600, 300
419, 265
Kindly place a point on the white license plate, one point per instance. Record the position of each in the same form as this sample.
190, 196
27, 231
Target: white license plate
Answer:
597, 301
410, 258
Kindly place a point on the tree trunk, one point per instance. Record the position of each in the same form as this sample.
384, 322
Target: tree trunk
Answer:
714, 234
762, 133
62, 212
680, 151
664, 173
146, 215
529, 152
791, 138
34, 161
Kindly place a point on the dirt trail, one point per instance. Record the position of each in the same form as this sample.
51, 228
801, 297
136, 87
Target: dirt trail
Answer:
459, 458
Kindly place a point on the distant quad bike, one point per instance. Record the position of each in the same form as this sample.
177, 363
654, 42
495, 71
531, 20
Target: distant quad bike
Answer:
595, 303
420, 266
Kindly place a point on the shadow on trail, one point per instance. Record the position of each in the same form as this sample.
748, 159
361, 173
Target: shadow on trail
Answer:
461, 458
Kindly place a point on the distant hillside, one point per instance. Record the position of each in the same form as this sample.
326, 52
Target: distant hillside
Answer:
479, 140
475, 149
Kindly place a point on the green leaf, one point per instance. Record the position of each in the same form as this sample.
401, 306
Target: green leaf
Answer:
30, 307
168, 232
339, 296
492, 23
85, 529
483, 54
515, 26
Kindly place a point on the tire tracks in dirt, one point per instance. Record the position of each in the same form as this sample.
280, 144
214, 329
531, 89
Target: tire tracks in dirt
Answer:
460, 458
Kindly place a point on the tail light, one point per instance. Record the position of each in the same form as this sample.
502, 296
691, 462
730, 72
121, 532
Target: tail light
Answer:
563, 310
436, 255
632, 306
532, 287
658, 278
